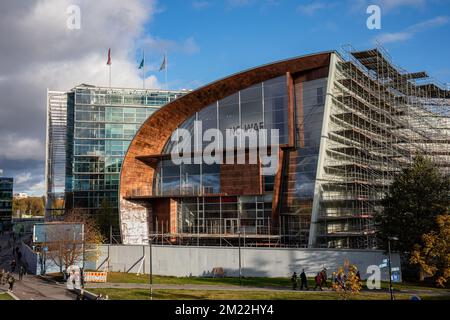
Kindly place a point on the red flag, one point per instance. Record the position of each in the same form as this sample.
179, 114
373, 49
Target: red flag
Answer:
109, 57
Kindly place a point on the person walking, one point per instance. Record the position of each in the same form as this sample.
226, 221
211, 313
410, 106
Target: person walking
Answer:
21, 272
13, 265
294, 281
318, 281
324, 278
303, 280
11, 281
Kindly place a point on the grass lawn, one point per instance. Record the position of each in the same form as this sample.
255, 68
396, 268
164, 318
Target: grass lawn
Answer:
5, 296
120, 277
140, 294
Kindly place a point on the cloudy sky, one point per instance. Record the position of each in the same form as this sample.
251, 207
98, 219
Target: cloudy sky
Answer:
205, 39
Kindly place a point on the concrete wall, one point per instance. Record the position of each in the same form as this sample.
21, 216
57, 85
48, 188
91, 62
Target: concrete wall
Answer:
183, 261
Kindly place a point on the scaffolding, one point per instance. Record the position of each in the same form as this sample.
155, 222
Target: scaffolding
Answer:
380, 117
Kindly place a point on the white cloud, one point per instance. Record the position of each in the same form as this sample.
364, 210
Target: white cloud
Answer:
38, 51
14, 147
22, 178
411, 31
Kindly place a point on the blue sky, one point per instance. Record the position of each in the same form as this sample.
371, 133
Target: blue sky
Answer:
230, 35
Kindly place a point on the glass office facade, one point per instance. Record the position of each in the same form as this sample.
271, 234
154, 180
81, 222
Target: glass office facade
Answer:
6, 198
101, 122
264, 105
55, 170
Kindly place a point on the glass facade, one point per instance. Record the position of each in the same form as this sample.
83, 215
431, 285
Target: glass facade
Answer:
55, 171
299, 176
201, 206
101, 122
6, 197
262, 106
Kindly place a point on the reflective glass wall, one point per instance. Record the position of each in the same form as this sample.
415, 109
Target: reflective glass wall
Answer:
101, 124
262, 106
299, 176
6, 197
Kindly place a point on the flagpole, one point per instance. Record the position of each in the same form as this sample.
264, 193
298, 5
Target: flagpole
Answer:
143, 69
110, 75
167, 65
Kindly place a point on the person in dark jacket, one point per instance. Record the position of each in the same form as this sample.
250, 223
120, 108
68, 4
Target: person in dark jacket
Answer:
13, 265
294, 281
11, 281
303, 280
21, 272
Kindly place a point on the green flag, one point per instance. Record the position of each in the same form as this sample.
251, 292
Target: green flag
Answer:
142, 64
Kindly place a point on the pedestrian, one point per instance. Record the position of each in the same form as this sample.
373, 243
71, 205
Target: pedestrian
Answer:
294, 281
318, 281
19, 255
11, 281
303, 280
21, 272
82, 277
13, 265
324, 277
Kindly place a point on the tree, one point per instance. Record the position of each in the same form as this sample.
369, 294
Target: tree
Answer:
66, 249
32, 205
433, 257
349, 283
416, 197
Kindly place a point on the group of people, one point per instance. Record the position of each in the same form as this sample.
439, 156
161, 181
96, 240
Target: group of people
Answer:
302, 278
320, 280
7, 277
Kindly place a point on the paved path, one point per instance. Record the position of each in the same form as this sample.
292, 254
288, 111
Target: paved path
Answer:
30, 287
196, 287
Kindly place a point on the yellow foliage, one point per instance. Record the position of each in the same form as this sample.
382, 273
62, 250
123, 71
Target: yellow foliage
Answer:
346, 281
433, 256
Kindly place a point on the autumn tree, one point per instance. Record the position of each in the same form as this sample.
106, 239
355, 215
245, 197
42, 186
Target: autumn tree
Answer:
433, 256
32, 205
349, 282
418, 194
66, 248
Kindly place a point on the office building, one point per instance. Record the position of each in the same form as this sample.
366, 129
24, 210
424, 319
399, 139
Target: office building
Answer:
348, 122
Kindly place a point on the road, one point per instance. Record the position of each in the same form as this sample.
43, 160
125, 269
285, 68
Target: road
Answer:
30, 287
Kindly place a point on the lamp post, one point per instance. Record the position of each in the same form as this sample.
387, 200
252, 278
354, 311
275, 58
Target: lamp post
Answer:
391, 291
240, 273
151, 267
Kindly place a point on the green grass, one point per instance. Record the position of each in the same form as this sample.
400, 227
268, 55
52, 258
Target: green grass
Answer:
5, 296
140, 294
120, 277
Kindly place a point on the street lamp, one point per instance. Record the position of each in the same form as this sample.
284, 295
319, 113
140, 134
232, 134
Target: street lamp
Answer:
390, 268
150, 241
240, 273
